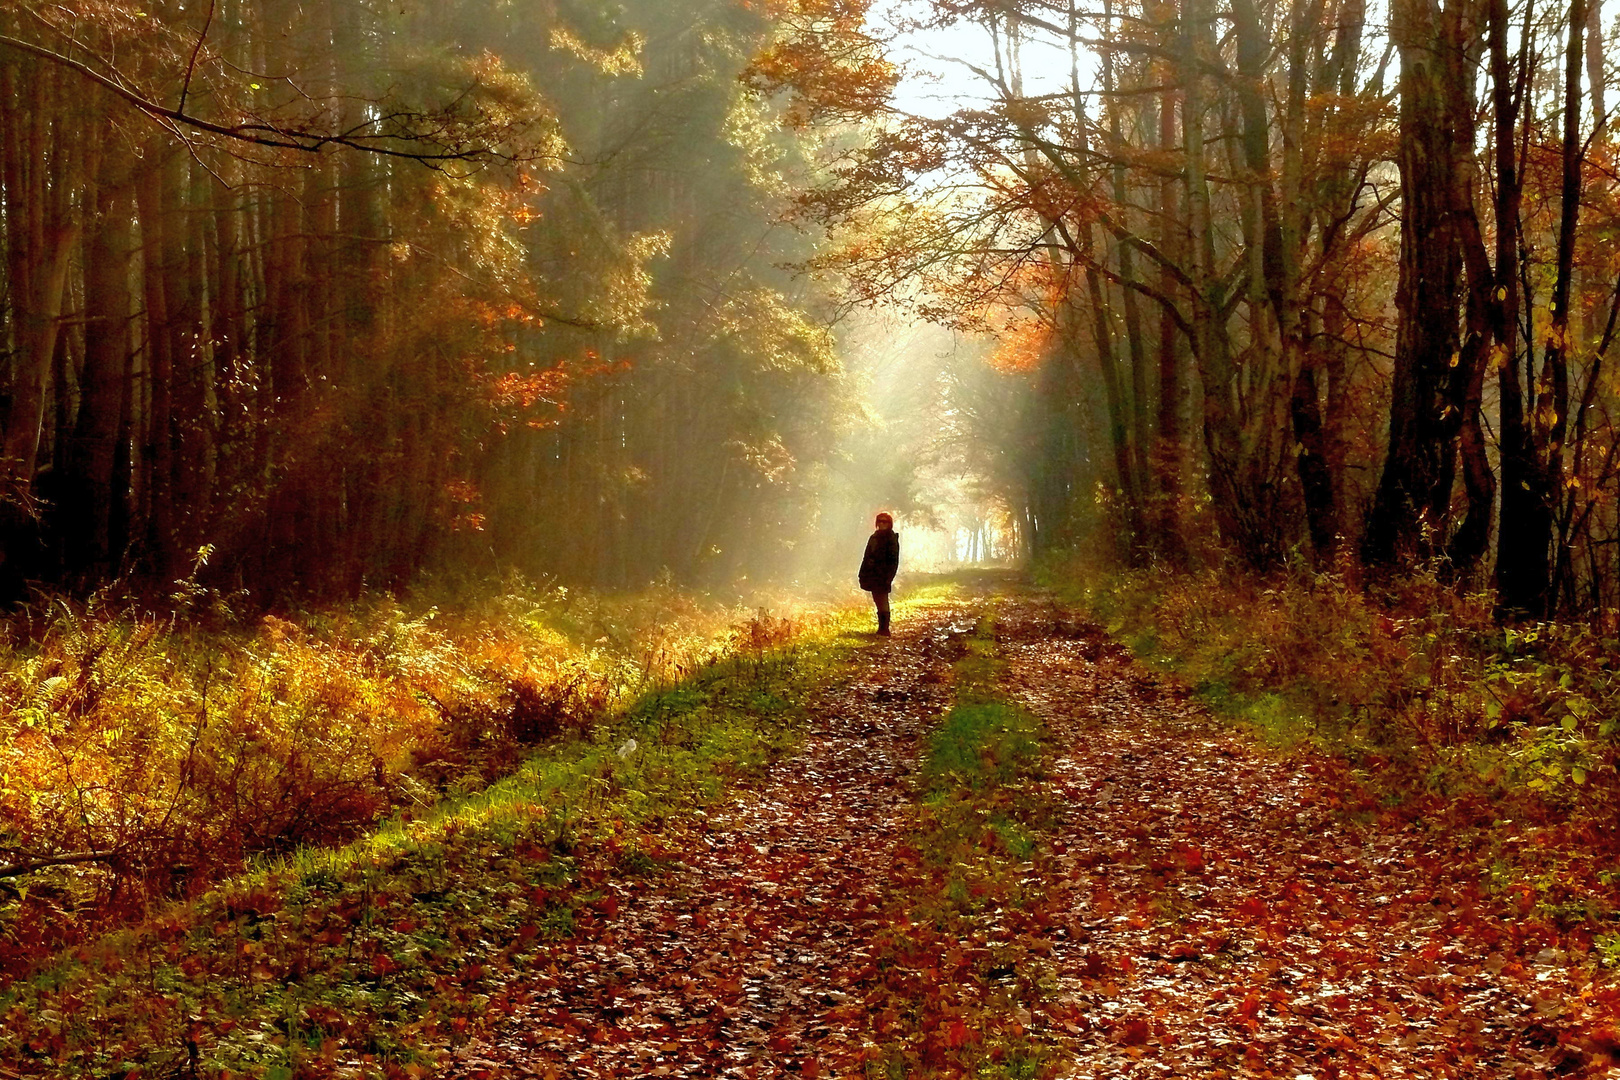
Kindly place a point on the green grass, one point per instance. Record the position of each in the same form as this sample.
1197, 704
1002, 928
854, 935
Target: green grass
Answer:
181, 745
981, 819
982, 745
1607, 946
375, 957
981, 809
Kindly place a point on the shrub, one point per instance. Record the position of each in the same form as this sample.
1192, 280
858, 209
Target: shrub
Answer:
145, 756
1418, 675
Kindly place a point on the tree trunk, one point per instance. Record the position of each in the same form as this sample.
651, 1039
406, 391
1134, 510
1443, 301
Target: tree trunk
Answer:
1412, 508
1223, 441
157, 456
1169, 453
1552, 400
90, 486
1124, 255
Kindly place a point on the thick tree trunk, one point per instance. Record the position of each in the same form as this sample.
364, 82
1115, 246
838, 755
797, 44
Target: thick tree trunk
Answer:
1169, 452
1411, 512
90, 488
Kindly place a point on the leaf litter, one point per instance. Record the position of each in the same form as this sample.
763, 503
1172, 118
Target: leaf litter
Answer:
1228, 912
1154, 896
1195, 907
743, 957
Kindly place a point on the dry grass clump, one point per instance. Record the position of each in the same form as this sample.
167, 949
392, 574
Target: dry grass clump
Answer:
1502, 739
145, 756
1417, 679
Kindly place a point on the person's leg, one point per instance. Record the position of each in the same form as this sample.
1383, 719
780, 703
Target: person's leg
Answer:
882, 601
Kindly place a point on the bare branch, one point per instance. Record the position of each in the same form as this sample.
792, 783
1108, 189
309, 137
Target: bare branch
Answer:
74, 859
191, 65
275, 136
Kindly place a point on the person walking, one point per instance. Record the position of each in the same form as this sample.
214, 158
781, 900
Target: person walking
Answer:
878, 567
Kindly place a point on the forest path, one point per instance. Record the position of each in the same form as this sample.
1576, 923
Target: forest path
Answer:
1221, 912
1196, 907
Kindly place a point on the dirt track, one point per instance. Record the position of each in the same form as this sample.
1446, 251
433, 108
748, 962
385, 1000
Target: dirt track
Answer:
1207, 909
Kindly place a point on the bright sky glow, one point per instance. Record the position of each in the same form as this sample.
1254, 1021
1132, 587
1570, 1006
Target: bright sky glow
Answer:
939, 63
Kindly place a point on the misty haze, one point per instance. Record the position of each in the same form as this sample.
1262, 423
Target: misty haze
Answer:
809, 538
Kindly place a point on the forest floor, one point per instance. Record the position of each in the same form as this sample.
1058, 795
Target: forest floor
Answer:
992, 846
1146, 893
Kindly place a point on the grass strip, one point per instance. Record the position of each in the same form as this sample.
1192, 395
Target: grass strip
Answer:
961, 966
370, 960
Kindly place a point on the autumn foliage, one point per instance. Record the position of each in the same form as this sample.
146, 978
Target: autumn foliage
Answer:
347, 294
1315, 300
381, 955
145, 759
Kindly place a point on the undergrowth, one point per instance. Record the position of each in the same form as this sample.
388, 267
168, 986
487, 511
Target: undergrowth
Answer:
146, 756
1444, 714
371, 959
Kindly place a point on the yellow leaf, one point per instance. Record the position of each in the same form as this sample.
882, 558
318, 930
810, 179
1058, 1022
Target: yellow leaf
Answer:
623, 59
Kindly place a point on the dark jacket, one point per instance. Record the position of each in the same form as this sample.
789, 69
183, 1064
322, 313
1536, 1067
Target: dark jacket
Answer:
881, 561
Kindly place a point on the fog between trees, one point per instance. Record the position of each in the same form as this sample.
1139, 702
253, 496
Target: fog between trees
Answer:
341, 292
533, 319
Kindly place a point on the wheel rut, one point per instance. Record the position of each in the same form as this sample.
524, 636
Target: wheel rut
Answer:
1208, 908
738, 961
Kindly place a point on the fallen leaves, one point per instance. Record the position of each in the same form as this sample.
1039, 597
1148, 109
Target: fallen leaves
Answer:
1150, 896
1198, 908
1275, 933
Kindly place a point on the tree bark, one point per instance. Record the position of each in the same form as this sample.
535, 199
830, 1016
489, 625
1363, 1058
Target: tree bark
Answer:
1169, 453
91, 486
1411, 511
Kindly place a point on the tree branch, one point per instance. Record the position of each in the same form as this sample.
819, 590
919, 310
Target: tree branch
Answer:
74, 859
265, 134
191, 65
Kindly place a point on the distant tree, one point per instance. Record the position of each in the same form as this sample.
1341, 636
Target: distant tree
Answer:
1054, 198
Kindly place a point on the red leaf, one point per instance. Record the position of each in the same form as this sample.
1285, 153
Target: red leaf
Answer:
1135, 1032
